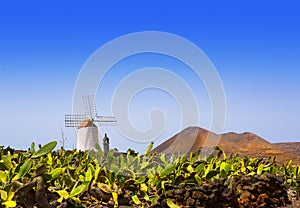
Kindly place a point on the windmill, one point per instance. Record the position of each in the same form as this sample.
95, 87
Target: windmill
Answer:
87, 130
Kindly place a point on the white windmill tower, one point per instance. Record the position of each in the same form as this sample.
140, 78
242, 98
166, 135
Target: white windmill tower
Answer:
87, 130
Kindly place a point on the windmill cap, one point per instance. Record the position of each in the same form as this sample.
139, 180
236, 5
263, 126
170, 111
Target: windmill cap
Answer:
87, 123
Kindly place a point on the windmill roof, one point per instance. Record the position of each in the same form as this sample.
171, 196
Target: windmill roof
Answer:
86, 123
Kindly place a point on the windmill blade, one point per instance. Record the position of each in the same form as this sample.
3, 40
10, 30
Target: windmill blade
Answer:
89, 105
74, 120
105, 120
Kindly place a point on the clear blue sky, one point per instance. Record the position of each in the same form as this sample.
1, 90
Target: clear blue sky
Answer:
254, 45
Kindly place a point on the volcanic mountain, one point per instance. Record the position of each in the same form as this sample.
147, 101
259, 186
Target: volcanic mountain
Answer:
246, 144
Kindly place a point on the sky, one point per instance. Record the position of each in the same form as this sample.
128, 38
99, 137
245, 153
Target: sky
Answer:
253, 45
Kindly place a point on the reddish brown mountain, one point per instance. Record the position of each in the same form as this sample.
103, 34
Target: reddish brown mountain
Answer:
193, 138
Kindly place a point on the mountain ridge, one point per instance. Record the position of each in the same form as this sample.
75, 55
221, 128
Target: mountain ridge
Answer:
248, 144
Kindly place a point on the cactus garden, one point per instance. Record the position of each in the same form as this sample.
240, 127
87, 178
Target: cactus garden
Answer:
44, 177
